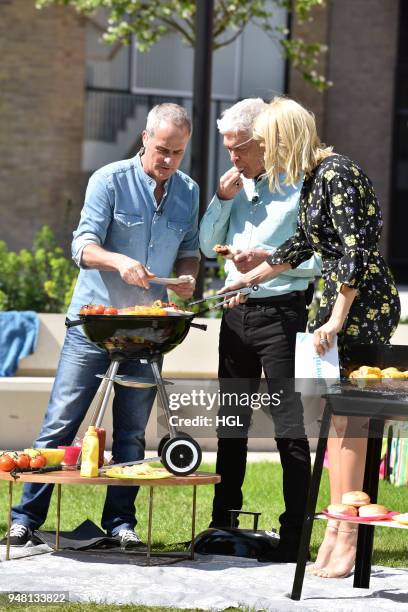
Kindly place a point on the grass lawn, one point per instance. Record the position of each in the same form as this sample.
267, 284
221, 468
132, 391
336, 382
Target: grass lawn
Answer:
172, 507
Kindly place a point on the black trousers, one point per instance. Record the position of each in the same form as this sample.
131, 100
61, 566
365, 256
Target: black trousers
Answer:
255, 336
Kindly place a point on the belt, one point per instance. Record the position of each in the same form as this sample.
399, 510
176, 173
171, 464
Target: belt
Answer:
275, 299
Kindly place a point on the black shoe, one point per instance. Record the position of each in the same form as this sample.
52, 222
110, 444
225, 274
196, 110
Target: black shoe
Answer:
19, 535
128, 538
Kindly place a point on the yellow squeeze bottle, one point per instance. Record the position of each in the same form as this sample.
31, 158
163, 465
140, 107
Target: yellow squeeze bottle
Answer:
90, 453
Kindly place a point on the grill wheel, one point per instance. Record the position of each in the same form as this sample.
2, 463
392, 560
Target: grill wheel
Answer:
181, 456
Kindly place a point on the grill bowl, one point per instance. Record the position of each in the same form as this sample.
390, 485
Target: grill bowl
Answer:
136, 336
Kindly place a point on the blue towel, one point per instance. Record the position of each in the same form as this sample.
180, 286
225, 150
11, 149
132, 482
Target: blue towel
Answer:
18, 338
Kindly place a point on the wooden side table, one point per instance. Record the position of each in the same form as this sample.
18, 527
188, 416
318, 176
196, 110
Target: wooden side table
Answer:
72, 477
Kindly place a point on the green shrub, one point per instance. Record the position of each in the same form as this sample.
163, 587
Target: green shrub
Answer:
40, 279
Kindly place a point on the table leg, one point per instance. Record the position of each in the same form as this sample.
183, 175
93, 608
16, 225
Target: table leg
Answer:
311, 505
193, 520
149, 526
57, 531
365, 538
9, 520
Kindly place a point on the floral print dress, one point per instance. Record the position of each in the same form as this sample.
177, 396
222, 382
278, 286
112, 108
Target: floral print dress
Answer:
340, 219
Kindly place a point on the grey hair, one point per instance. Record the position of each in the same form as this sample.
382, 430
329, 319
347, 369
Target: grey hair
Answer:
241, 117
169, 112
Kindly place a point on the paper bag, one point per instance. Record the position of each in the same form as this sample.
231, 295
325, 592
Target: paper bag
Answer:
309, 364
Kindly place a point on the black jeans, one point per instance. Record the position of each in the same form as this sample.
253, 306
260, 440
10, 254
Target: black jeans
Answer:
255, 336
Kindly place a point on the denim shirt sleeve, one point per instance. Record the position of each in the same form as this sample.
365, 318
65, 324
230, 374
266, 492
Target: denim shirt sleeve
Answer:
189, 246
96, 217
214, 225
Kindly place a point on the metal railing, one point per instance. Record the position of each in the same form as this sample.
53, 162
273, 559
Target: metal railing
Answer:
108, 110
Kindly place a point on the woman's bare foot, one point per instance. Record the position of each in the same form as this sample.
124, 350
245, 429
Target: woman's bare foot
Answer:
343, 556
326, 547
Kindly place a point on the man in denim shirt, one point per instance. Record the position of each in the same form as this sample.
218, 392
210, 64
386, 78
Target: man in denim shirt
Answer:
260, 334
139, 220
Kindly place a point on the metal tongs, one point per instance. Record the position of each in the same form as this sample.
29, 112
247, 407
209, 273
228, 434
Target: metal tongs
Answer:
225, 297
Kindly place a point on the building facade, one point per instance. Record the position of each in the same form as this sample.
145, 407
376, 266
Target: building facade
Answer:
69, 104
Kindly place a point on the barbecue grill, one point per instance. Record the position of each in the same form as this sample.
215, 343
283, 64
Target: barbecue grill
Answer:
145, 338
377, 401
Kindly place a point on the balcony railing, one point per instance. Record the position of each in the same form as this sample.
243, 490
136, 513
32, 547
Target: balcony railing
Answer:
108, 111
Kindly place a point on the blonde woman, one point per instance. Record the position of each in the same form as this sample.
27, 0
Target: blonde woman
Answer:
340, 219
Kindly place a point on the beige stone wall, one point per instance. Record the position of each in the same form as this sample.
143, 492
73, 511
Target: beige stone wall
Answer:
356, 114
41, 113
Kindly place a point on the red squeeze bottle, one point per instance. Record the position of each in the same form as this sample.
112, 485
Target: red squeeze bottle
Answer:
102, 439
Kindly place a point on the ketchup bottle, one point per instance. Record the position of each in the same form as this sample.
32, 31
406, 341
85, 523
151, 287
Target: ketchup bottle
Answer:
102, 440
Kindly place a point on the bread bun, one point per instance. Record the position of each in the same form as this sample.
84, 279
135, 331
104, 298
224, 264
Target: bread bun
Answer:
366, 372
372, 510
373, 371
401, 518
342, 509
392, 373
355, 498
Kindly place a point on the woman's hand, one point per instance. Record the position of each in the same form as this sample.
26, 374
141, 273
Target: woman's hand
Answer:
236, 299
323, 337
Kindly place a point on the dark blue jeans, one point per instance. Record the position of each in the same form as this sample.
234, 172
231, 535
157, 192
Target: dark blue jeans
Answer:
73, 391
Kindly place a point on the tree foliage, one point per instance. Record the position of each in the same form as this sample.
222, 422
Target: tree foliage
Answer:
148, 21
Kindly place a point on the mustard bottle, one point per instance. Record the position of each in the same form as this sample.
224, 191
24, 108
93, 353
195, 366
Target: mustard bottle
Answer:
90, 453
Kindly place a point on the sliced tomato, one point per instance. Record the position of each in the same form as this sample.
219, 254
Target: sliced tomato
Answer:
85, 309
110, 310
96, 309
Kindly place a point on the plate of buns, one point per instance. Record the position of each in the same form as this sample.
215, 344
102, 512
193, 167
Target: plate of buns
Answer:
375, 373
356, 506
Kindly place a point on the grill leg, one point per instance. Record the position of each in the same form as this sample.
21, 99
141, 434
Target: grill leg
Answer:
101, 392
104, 391
371, 476
311, 505
161, 390
100, 411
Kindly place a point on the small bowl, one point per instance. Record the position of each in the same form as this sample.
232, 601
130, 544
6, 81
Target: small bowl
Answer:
71, 454
54, 456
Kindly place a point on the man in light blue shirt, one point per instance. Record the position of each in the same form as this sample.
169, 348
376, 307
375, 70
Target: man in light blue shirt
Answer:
140, 218
260, 334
